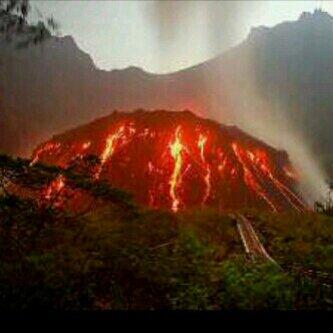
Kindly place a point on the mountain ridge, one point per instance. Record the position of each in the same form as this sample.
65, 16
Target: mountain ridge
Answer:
64, 88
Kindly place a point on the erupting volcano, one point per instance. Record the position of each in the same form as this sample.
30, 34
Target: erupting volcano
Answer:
176, 160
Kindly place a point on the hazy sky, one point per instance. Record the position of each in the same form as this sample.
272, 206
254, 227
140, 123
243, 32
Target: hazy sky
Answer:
167, 36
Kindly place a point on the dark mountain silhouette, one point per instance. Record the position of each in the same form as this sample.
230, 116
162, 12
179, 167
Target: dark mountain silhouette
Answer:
50, 88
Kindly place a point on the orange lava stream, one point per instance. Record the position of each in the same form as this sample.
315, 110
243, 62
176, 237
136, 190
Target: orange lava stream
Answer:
222, 165
290, 193
284, 190
48, 147
109, 148
110, 144
249, 178
86, 145
201, 144
55, 187
179, 165
83, 148
176, 148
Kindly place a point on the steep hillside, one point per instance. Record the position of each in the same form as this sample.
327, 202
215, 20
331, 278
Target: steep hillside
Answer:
177, 160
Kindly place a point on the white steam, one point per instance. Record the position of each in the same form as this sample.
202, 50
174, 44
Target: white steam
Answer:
270, 123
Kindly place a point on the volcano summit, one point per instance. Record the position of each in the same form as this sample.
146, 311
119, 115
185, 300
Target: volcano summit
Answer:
176, 160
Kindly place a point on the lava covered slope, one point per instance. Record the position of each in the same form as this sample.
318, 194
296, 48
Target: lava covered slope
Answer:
176, 160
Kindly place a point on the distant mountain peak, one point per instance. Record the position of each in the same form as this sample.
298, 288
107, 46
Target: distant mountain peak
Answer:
131, 70
258, 31
318, 14
68, 40
307, 19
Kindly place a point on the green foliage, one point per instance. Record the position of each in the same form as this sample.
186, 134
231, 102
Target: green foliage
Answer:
292, 238
121, 256
38, 177
151, 261
266, 286
262, 286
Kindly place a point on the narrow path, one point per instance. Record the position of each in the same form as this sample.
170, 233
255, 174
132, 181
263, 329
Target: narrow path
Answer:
250, 240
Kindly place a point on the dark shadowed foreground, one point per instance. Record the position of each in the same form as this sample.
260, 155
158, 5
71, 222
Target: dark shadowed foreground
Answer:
117, 255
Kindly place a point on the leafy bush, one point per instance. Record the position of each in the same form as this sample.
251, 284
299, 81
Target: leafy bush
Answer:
121, 256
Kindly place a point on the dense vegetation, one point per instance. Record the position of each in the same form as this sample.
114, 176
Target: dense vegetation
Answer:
117, 255
299, 243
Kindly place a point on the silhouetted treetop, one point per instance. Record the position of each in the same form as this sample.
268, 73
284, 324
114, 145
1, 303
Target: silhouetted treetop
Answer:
14, 24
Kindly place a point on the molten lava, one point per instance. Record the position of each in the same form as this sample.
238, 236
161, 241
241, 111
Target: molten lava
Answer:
45, 149
176, 152
109, 148
53, 191
201, 144
177, 160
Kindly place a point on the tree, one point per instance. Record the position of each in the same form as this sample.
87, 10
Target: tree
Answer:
41, 184
14, 24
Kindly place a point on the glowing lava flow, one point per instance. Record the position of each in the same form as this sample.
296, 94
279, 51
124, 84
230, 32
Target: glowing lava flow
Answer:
55, 187
109, 148
110, 144
86, 145
176, 149
201, 144
284, 190
47, 148
249, 178
177, 161
83, 149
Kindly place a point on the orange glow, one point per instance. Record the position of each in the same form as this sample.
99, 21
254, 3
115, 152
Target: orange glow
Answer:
201, 144
261, 161
176, 148
222, 166
178, 161
109, 148
110, 144
86, 145
250, 179
55, 187
287, 193
150, 167
47, 148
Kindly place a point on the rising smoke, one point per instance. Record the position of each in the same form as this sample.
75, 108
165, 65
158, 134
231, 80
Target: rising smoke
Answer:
249, 111
273, 125
223, 20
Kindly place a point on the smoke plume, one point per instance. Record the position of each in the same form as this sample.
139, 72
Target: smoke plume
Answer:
249, 111
223, 20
